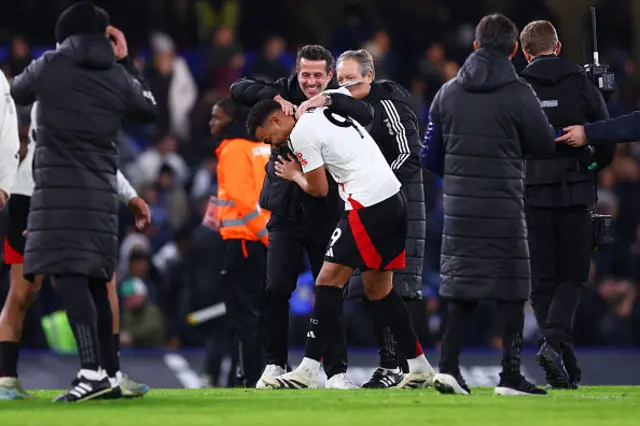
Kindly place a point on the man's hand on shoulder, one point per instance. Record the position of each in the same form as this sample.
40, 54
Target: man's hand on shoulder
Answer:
287, 107
3, 199
315, 102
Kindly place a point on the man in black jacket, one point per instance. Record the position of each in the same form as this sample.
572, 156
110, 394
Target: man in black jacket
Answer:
560, 189
299, 222
482, 125
395, 130
83, 96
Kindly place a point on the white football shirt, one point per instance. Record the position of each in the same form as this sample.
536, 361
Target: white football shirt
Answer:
24, 184
349, 153
9, 138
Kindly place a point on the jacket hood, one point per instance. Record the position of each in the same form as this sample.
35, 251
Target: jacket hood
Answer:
486, 70
92, 51
80, 18
549, 69
388, 90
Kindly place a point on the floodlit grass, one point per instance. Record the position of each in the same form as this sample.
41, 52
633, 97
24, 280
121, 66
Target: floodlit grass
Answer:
587, 406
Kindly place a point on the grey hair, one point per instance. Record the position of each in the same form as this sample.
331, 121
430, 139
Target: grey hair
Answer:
362, 57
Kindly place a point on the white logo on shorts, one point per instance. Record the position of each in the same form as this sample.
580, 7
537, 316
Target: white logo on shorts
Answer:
337, 233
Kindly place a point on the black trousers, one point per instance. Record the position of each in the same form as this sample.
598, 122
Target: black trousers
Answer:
560, 245
243, 276
218, 344
390, 355
86, 302
457, 319
287, 246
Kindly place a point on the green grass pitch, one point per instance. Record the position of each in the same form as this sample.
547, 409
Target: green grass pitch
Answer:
615, 406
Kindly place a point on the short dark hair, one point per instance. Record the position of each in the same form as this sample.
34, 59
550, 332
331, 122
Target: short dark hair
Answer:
315, 52
259, 114
539, 37
228, 106
497, 32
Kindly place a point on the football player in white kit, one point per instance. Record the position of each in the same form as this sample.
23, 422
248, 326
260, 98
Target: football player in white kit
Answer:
22, 293
369, 236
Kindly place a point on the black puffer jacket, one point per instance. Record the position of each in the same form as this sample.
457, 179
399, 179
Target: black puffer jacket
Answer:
83, 95
482, 124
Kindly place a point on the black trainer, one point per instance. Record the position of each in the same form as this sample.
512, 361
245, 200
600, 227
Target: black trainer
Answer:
383, 378
83, 389
513, 385
451, 384
553, 365
114, 393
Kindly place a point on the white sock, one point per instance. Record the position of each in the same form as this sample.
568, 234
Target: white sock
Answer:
419, 363
92, 374
310, 365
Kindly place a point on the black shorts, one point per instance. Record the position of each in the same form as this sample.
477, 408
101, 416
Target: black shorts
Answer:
371, 238
14, 242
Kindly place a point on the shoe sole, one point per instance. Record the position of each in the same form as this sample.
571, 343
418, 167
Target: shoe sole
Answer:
276, 383
123, 396
131, 394
379, 386
555, 378
352, 388
443, 386
88, 397
503, 391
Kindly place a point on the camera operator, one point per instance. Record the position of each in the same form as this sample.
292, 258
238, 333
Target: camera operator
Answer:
559, 192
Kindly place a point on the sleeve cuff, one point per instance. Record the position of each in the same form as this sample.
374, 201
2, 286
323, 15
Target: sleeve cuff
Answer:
341, 90
125, 191
129, 65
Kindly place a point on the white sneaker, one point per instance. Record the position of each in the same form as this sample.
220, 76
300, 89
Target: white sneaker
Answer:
10, 388
340, 381
129, 388
300, 378
271, 371
418, 378
448, 384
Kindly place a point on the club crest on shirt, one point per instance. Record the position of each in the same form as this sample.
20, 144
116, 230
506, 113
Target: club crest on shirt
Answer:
301, 159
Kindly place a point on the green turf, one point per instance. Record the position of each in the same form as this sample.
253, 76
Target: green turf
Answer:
615, 406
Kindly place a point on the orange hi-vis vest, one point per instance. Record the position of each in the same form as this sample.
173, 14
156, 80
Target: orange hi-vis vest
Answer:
241, 173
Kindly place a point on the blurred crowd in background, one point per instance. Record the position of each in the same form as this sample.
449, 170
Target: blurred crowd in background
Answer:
191, 51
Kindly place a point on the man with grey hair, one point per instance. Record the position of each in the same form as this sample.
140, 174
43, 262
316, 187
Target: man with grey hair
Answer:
395, 130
